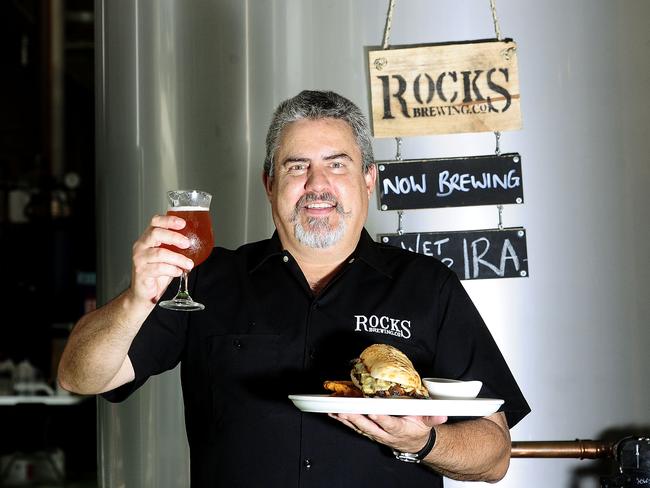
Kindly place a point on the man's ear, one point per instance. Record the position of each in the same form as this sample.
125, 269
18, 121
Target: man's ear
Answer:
267, 181
370, 176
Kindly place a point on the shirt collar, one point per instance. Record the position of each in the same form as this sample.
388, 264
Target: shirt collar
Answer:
370, 252
367, 251
272, 248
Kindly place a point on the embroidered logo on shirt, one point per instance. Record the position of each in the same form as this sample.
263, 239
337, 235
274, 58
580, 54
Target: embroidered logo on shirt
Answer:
383, 325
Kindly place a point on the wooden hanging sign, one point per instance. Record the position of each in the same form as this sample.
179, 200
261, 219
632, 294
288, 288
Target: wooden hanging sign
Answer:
473, 254
450, 182
444, 89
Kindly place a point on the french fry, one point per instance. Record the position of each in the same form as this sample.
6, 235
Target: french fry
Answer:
342, 388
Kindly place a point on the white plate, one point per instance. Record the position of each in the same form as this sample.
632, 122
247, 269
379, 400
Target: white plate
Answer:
476, 407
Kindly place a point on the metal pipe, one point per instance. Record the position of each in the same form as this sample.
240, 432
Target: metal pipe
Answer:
57, 87
579, 449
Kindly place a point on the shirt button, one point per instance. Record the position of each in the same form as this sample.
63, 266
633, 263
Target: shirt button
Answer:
285, 259
351, 261
237, 343
307, 463
312, 353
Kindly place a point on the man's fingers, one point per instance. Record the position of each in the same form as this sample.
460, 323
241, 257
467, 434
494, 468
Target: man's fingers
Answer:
364, 424
397, 425
155, 260
159, 270
341, 418
147, 249
387, 422
162, 231
430, 421
167, 222
158, 256
156, 236
406, 434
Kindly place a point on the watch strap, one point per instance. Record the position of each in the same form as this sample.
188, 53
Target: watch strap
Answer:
416, 457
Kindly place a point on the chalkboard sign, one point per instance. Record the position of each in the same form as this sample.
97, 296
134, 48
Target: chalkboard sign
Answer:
473, 254
454, 182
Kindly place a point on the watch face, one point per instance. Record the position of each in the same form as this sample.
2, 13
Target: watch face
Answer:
407, 457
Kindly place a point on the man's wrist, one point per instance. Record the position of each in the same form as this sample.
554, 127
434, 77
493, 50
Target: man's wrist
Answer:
416, 457
133, 303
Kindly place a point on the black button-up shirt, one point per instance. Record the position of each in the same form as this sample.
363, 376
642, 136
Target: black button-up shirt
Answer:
265, 335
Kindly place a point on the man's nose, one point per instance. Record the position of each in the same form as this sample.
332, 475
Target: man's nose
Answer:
316, 179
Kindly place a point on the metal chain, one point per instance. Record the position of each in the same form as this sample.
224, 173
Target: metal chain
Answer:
400, 213
495, 19
497, 134
398, 140
500, 207
400, 230
389, 24
497, 31
497, 150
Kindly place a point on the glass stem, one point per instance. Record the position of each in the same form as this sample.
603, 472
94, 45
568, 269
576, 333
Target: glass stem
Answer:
182, 288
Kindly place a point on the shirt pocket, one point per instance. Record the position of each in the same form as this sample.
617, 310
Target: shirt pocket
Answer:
244, 369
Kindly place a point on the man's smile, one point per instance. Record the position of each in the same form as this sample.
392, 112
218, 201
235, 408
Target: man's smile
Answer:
319, 209
317, 205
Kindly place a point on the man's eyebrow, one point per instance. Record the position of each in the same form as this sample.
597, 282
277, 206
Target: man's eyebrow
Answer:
337, 156
294, 159
300, 159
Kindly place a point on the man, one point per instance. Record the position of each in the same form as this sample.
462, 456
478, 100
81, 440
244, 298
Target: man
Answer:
287, 313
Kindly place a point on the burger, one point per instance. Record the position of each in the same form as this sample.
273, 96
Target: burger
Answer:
385, 372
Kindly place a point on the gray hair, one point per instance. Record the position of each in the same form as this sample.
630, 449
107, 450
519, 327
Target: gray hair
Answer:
316, 105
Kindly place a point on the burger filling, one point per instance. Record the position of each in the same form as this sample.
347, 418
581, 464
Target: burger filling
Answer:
375, 387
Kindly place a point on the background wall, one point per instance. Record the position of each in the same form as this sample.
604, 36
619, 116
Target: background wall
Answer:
185, 93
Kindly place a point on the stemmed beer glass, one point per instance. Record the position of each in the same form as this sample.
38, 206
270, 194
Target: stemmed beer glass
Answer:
194, 207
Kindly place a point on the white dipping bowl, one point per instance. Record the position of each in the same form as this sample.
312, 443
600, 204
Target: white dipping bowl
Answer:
443, 388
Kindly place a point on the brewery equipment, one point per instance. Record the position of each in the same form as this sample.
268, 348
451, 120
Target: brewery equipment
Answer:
632, 454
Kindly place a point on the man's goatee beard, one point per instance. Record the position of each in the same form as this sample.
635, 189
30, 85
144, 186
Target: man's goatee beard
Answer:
317, 233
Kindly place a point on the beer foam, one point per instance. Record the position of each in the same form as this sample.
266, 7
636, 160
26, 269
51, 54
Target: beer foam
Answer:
188, 209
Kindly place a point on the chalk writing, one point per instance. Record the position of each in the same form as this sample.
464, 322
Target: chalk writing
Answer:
454, 182
507, 253
471, 254
405, 185
449, 182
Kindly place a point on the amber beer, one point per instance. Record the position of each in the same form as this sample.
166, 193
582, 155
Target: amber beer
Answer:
193, 207
198, 229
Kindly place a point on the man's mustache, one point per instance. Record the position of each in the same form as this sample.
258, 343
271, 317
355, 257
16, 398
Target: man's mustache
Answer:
307, 198
317, 197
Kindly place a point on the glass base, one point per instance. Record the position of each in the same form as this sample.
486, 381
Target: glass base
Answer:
182, 305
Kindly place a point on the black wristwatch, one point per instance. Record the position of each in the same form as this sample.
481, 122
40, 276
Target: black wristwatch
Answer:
416, 457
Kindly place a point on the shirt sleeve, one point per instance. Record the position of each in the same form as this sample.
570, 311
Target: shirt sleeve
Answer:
466, 350
156, 348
